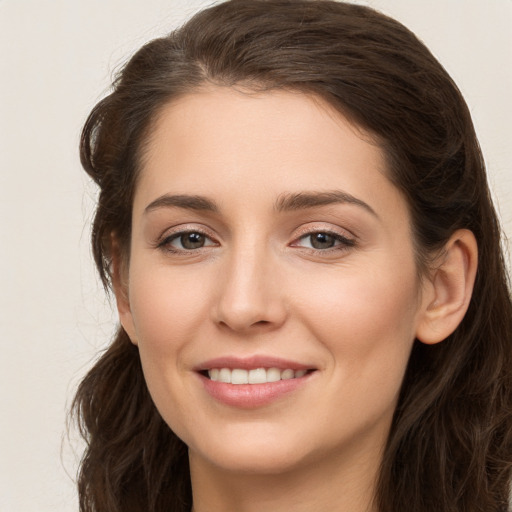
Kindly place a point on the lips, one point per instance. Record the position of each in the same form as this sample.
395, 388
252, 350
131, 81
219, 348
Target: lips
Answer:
252, 382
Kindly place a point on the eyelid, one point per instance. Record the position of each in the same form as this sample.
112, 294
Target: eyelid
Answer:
171, 234
312, 228
346, 238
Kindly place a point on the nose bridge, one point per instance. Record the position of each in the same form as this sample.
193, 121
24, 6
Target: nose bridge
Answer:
249, 294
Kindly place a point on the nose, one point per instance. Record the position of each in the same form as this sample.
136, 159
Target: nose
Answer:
250, 292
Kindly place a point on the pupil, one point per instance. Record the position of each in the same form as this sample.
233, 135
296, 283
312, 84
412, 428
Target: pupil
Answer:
322, 241
192, 240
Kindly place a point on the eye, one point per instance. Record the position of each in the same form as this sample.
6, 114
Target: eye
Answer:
321, 240
186, 241
324, 240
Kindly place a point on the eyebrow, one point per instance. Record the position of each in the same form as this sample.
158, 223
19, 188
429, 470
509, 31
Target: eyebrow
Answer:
285, 202
198, 203
304, 200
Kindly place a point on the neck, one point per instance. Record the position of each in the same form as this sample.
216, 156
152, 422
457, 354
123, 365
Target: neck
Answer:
326, 485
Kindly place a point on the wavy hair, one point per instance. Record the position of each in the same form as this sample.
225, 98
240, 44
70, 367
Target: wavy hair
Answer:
450, 444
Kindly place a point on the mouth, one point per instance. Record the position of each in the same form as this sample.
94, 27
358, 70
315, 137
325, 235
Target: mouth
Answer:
253, 382
261, 375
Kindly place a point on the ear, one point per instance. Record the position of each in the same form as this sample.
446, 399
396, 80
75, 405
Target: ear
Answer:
119, 270
447, 293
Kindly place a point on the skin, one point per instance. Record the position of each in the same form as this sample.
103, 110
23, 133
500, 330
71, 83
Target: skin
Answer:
258, 287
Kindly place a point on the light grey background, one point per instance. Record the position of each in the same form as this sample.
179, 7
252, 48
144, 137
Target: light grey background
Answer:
56, 61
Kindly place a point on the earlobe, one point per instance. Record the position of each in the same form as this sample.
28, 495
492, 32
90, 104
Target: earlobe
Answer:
448, 292
119, 274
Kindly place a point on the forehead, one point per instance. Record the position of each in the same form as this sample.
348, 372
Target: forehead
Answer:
270, 118
260, 144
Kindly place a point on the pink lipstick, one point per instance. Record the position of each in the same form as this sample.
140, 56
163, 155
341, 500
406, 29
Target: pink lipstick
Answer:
252, 382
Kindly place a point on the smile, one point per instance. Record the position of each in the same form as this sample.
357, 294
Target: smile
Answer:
253, 376
253, 382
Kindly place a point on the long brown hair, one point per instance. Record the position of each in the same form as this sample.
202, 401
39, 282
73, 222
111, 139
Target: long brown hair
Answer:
450, 445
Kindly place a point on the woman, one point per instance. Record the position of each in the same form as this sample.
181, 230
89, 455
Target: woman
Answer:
295, 220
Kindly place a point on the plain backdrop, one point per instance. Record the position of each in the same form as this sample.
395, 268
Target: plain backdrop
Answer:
57, 58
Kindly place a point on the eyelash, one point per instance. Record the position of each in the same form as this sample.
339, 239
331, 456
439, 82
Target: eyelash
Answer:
342, 243
165, 244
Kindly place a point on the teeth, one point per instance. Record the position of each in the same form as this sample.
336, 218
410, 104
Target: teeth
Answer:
225, 375
273, 374
256, 376
287, 374
239, 377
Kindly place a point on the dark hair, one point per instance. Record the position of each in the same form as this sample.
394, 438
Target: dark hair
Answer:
450, 445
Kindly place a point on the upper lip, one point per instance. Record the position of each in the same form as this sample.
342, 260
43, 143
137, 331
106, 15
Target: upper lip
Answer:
249, 363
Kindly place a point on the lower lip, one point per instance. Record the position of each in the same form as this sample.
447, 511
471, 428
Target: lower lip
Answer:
250, 396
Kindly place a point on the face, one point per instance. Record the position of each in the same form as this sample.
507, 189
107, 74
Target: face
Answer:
272, 288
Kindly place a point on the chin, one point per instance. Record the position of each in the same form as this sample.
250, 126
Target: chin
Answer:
263, 449
251, 460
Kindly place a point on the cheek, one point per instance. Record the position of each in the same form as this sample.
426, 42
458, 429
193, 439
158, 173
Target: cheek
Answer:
166, 308
367, 321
